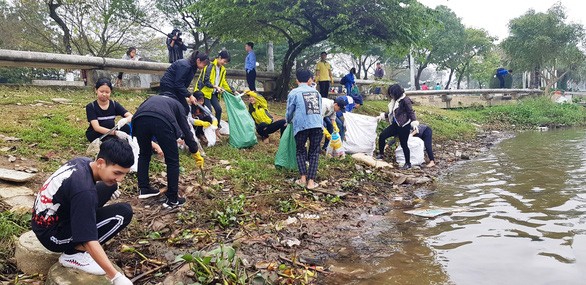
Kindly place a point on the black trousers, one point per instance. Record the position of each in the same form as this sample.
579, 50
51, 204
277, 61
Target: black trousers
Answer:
426, 137
251, 79
215, 102
264, 130
402, 133
324, 88
110, 220
144, 130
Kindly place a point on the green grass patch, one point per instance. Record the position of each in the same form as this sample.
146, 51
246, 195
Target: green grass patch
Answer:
12, 225
529, 112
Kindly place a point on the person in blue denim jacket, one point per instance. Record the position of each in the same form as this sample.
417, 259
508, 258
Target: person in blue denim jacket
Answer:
304, 112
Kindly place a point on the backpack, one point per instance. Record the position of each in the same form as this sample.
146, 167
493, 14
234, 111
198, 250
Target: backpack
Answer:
344, 80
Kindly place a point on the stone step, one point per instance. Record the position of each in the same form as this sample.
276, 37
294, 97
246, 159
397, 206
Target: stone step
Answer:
31, 256
19, 198
15, 176
60, 275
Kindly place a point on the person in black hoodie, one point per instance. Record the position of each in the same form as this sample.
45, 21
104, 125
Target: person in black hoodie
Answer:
164, 118
179, 75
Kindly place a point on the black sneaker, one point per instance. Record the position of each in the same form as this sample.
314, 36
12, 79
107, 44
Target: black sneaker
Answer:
148, 192
406, 166
379, 157
174, 204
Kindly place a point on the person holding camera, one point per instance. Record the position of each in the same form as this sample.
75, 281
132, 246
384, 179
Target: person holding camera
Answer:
175, 46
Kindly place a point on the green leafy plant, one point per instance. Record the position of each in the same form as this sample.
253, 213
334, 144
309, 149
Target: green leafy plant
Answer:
218, 266
231, 210
287, 206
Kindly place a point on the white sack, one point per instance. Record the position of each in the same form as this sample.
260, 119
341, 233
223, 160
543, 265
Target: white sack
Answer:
360, 133
416, 147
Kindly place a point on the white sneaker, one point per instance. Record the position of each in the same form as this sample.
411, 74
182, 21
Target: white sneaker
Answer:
82, 261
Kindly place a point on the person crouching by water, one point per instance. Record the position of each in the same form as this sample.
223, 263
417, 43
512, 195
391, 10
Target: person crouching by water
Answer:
402, 118
424, 132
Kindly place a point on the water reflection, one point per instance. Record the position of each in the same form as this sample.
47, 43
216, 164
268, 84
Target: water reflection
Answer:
522, 221
533, 227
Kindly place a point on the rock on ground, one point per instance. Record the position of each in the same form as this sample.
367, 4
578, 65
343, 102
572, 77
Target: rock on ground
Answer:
31, 256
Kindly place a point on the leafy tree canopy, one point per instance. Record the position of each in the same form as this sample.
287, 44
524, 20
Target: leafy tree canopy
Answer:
302, 24
544, 42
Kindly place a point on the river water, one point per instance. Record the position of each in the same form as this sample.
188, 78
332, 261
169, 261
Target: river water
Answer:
520, 219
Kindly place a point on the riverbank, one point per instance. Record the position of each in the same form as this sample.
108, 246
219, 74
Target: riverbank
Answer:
244, 201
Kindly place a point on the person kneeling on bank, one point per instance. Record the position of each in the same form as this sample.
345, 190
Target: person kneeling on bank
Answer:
69, 215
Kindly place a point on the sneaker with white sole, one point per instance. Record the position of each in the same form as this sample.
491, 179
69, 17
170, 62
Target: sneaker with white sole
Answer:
148, 192
82, 261
174, 204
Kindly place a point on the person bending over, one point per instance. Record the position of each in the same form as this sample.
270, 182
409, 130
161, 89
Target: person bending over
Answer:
402, 118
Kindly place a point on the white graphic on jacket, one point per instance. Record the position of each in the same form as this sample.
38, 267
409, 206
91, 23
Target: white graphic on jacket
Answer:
44, 209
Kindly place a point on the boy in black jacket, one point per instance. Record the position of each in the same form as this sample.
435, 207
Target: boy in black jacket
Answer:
164, 118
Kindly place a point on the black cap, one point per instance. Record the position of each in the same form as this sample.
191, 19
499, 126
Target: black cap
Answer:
303, 75
198, 95
341, 102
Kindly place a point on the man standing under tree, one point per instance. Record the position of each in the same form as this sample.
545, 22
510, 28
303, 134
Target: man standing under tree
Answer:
379, 72
250, 66
175, 46
323, 75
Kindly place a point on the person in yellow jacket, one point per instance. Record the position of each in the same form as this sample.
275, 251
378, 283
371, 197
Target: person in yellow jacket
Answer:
212, 83
259, 110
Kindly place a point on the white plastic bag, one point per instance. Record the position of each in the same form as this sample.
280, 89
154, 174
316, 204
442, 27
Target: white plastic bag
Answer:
360, 133
416, 147
210, 133
225, 130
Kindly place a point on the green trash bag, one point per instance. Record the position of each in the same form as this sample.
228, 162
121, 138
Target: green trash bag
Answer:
286, 157
242, 128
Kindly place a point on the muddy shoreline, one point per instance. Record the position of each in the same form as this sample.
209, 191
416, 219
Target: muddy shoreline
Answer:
319, 229
315, 233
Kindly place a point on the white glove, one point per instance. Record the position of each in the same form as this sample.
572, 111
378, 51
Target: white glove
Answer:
115, 195
414, 124
120, 279
122, 135
381, 117
121, 123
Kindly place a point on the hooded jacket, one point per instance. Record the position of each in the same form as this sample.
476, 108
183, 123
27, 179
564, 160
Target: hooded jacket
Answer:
259, 110
207, 80
401, 111
167, 108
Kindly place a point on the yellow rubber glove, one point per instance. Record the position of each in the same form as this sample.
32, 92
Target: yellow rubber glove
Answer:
198, 159
200, 123
215, 123
336, 130
327, 134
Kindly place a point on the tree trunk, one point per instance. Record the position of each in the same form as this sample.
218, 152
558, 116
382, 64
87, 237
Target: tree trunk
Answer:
66, 32
283, 80
449, 78
418, 75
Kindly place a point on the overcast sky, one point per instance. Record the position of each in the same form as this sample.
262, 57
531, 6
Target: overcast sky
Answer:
494, 15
